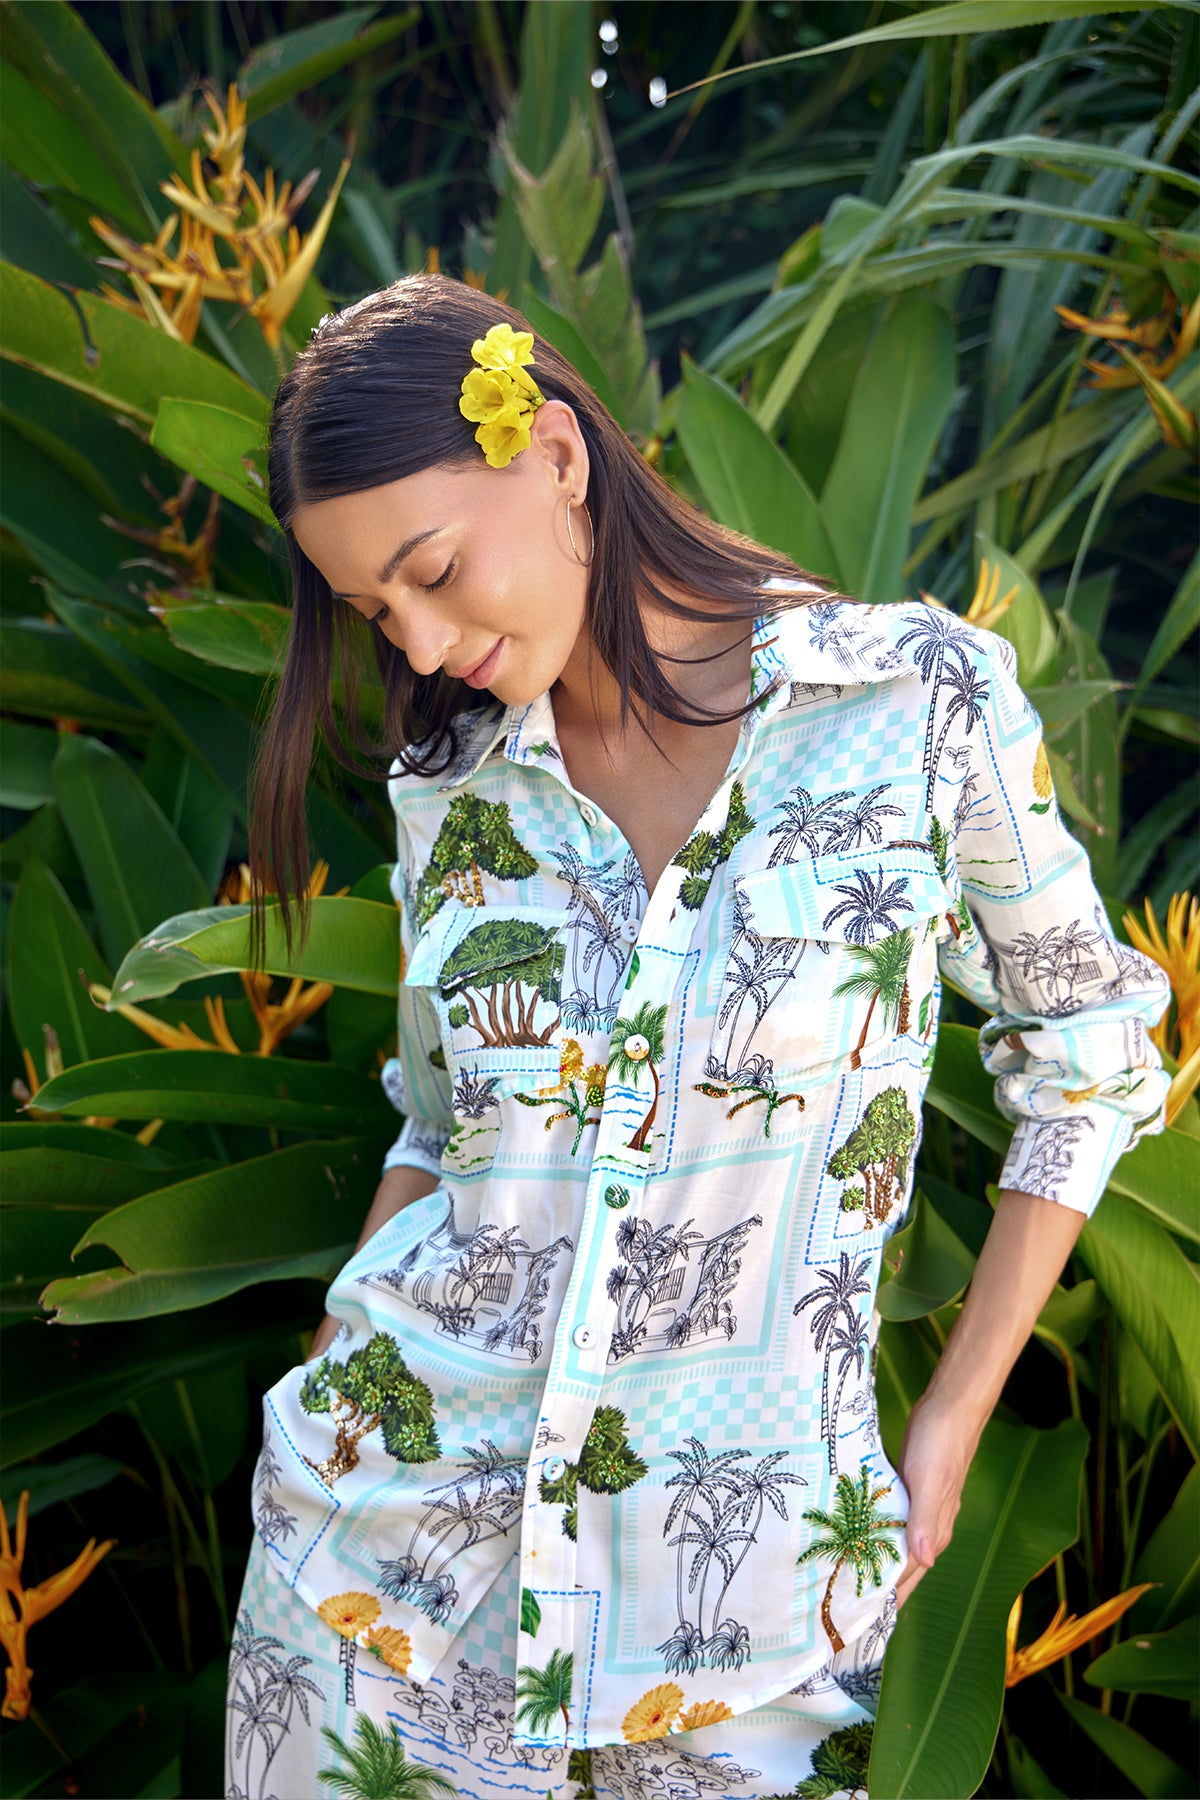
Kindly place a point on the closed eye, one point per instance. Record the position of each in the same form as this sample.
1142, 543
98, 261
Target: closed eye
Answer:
443, 578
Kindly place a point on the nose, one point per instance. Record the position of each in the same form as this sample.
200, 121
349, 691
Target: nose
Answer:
425, 640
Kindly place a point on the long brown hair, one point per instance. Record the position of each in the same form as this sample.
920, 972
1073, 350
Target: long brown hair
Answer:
372, 398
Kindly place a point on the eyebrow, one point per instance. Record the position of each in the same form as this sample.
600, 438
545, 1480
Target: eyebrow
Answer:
393, 563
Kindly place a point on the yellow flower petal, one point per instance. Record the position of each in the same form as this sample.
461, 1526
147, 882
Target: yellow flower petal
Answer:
350, 1613
704, 1712
392, 1645
505, 438
488, 396
651, 1716
503, 348
1063, 1634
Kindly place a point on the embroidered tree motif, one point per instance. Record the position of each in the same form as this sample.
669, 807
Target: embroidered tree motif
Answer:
577, 1089
372, 1390
870, 903
748, 1094
504, 964
635, 1044
878, 1149
474, 836
839, 1765
608, 1464
857, 1535
705, 851
544, 1693
482, 1501
833, 1300
883, 974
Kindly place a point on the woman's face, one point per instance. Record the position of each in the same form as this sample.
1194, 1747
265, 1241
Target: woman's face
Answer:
469, 569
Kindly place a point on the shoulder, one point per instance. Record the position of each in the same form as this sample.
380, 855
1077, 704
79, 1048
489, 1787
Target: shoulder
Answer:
473, 731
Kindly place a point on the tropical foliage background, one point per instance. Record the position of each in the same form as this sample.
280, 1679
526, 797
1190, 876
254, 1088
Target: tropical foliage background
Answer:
910, 292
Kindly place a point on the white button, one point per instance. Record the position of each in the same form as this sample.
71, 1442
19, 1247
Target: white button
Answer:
637, 1049
629, 930
553, 1467
583, 1337
588, 814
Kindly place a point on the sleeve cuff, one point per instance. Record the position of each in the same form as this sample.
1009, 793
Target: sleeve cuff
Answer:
419, 1146
1069, 1160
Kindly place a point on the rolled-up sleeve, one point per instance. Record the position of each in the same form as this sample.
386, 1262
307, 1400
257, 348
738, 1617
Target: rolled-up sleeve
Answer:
415, 1080
1071, 1007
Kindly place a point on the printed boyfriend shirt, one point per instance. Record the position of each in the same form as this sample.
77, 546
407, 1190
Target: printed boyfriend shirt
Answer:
629, 1336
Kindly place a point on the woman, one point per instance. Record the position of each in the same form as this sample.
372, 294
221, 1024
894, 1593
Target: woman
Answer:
586, 1455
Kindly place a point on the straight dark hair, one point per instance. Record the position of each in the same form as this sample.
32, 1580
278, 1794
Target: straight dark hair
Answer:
372, 398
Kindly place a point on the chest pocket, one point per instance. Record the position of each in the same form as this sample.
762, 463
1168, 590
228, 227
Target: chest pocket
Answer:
829, 959
494, 977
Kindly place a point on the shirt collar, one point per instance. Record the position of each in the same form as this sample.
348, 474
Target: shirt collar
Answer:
828, 643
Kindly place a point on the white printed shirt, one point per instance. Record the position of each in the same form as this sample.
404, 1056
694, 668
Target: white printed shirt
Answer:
628, 1338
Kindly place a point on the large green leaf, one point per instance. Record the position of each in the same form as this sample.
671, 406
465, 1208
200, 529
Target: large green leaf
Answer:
297, 60
26, 753
1028, 624
746, 479
54, 1382
925, 1264
896, 412
1163, 1662
1172, 1559
352, 943
49, 675
1155, 1292
1147, 1768
943, 1679
212, 1085
137, 870
52, 1179
235, 634
119, 359
223, 449
293, 1212
48, 146
50, 958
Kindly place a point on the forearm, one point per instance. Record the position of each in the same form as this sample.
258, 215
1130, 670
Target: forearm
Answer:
1026, 1248
398, 1188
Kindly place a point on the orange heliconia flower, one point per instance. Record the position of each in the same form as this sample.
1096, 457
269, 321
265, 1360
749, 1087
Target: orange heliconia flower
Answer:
1142, 366
988, 604
21, 1607
1063, 1634
1177, 953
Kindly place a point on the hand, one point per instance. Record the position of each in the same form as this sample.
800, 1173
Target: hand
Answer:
935, 1455
323, 1336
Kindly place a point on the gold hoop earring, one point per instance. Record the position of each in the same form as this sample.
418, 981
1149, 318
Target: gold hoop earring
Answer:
585, 560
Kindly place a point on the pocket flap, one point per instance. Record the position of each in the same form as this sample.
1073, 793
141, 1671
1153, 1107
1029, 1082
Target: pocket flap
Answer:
854, 897
467, 945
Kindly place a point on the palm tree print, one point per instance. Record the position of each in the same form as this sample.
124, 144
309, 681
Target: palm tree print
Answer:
598, 901
507, 966
851, 1340
839, 1767
833, 1302
636, 1043
749, 1095
651, 1271
968, 691
933, 634
870, 902
862, 823
474, 836
1052, 1153
265, 1688
482, 1502
577, 1089
808, 827
856, 1534
878, 1149
883, 974
718, 1506
376, 1767
272, 1518
1058, 959
544, 1693
757, 971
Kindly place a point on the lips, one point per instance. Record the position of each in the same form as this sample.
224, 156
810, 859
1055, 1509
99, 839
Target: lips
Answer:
479, 674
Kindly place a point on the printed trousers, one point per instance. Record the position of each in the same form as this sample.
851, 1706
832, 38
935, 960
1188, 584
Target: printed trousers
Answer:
292, 1680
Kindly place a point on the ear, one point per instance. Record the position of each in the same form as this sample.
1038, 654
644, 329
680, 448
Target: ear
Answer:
557, 442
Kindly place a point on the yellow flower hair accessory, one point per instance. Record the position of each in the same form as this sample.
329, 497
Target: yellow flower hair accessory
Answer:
498, 397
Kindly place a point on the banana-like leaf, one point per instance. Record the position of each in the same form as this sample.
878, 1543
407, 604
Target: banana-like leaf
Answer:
925, 1265
1149, 1770
1028, 624
297, 60
1155, 1292
49, 1180
896, 413
1164, 1662
352, 943
52, 149
293, 1212
48, 674
214, 1086
137, 870
54, 1383
1172, 1559
26, 753
746, 479
117, 358
223, 449
943, 1677
235, 634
